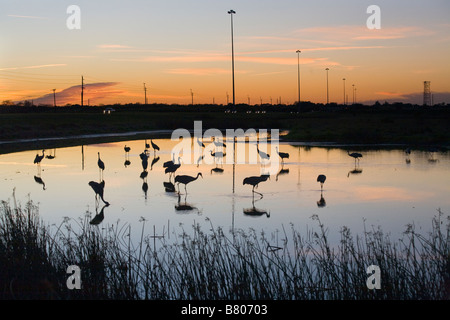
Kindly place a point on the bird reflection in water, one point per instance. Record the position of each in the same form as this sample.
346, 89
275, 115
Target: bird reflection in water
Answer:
321, 178
356, 170
143, 176
255, 212
39, 180
155, 160
184, 206
321, 203
127, 156
282, 171
217, 170
99, 216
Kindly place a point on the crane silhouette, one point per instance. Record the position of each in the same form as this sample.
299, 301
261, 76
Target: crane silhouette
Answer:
355, 155
38, 158
127, 149
185, 179
218, 143
172, 167
254, 181
321, 178
98, 189
262, 154
283, 155
51, 156
144, 161
101, 165
200, 143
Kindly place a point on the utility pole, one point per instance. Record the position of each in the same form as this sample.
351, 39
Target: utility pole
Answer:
82, 89
328, 99
192, 97
54, 98
145, 93
344, 90
231, 12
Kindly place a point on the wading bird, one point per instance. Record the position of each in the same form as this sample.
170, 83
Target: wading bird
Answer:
184, 179
172, 167
127, 149
98, 189
321, 178
355, 155
255, 181
39, 158
262, 154
200, 143
218, 143
283, 155
101, 165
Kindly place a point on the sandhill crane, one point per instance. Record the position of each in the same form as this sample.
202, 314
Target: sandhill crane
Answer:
254, 181
154, 146
200, 143
262, 154
51, 156
98, 189
184, 179
321, 178
101, 165
283, 155
172, 167
39, 158
170, 162
218, 143
355, 155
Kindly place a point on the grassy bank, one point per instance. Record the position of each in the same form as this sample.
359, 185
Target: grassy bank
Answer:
414, 126
215, 264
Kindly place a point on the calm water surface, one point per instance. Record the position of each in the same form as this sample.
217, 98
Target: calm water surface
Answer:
387, 188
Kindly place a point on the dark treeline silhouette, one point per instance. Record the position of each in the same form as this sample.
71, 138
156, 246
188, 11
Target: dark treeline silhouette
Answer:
307, 106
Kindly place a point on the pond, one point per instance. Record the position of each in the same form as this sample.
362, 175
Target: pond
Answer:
385, 187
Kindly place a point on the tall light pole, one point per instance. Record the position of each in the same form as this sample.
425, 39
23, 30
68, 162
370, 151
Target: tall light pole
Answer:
231, 12
344, 90
298, 74
145, 94
353, 93
54, 98
328, 100
192, 97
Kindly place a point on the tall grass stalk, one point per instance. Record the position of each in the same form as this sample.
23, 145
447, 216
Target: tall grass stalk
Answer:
214, 264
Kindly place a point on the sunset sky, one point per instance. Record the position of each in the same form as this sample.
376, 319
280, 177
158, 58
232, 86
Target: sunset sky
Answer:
175, 46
